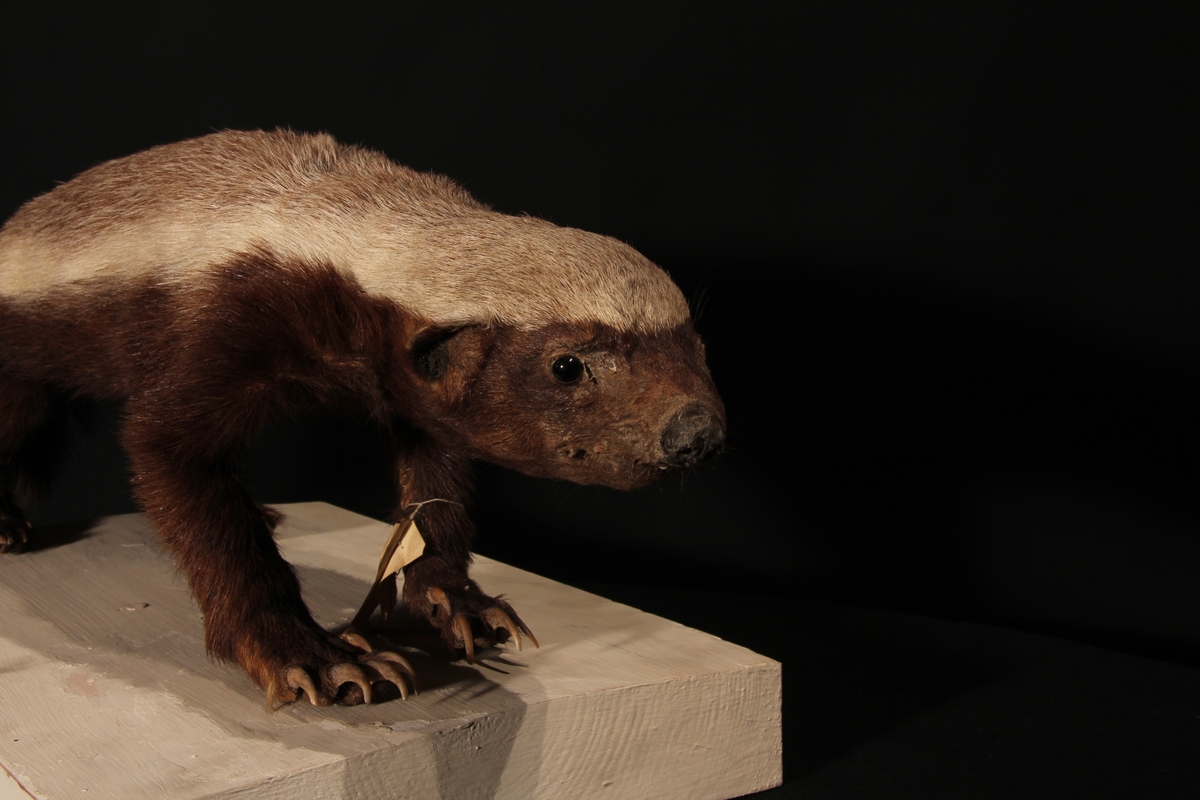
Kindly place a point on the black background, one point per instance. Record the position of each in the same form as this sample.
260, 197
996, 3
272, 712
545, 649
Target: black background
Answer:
943, 257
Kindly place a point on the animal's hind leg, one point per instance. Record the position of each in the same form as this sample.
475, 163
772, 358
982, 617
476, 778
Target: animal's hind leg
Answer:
32, 433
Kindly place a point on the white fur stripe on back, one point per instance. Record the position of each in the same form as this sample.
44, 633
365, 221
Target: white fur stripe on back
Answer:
175, 211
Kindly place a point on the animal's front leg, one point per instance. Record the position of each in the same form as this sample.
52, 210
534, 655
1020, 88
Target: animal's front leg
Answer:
250, 597
434, 486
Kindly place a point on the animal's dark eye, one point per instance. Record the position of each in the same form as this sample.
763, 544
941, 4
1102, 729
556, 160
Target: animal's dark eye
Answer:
567, 369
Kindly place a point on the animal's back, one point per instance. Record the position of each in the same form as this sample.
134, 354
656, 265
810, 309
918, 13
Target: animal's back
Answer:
176, 209
174, 212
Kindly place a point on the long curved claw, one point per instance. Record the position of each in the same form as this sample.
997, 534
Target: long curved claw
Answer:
298, 680
462, 629
397, 659
437, 597
528, 634
358, 640
351, 673
524, 628
497, 618
389, 671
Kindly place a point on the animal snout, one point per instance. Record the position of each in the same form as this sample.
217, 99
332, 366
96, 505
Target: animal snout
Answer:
692, 436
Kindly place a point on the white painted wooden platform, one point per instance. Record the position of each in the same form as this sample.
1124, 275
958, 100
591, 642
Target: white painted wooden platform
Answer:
105, 690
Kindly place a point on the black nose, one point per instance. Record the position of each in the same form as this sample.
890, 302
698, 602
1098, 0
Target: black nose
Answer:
692, 436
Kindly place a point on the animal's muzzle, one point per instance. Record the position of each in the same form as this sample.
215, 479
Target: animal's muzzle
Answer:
692, 436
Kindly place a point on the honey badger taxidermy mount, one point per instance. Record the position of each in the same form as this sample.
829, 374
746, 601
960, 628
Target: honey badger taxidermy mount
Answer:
223, 282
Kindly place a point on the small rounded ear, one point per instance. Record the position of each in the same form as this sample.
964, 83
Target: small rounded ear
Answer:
452, 354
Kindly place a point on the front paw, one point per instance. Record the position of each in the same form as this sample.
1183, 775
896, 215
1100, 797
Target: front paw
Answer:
14, 530
329, 670
468, 617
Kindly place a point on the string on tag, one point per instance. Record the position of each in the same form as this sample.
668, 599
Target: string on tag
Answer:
417, 506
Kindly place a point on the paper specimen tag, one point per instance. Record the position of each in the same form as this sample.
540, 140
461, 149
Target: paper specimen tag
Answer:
403, 547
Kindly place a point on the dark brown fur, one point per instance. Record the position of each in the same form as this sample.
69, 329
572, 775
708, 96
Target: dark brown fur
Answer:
204, 366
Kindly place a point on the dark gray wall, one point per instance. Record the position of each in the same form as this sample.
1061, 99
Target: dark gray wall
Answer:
943, 255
